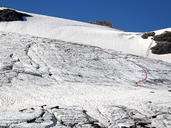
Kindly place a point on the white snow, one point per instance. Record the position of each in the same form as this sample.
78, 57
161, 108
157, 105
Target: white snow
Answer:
85, 33
81, 76
36, 71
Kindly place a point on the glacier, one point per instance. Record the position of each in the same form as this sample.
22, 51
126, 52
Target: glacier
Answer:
38, 71
59, 73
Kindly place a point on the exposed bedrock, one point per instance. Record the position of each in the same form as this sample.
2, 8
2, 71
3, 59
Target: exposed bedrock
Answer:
103, 23
12, 15
164, 37
163, 42
148, 34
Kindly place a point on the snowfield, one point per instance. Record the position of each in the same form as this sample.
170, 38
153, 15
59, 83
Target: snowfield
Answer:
84, 33
58, 73
39, 71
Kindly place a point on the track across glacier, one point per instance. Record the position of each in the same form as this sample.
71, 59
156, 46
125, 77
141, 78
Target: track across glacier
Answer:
146, 73
68, 62
37, 71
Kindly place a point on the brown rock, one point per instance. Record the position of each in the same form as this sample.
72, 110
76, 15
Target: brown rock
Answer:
147, 34
103, 23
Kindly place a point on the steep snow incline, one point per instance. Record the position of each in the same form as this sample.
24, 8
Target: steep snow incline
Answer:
85, 33
39, 71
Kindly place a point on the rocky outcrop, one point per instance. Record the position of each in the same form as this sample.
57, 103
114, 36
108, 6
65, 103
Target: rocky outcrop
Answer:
164, 37
148, 34
162, 48
103, 23
163, 42
12, 15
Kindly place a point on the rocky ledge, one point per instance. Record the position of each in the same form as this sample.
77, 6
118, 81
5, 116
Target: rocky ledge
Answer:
103, 23
12, 15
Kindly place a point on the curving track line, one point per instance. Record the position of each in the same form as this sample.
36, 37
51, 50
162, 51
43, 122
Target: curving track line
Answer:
145, 72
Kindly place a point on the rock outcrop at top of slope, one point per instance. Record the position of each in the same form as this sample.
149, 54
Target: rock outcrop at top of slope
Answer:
163, 42
12, 15
163, 45
103, 23
148, 34
164, 37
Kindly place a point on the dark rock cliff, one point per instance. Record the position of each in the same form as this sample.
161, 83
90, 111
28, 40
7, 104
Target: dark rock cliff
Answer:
12, 15
163, 42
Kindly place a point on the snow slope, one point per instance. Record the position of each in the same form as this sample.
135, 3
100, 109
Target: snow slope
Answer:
85, 33
72, 66
39, 71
